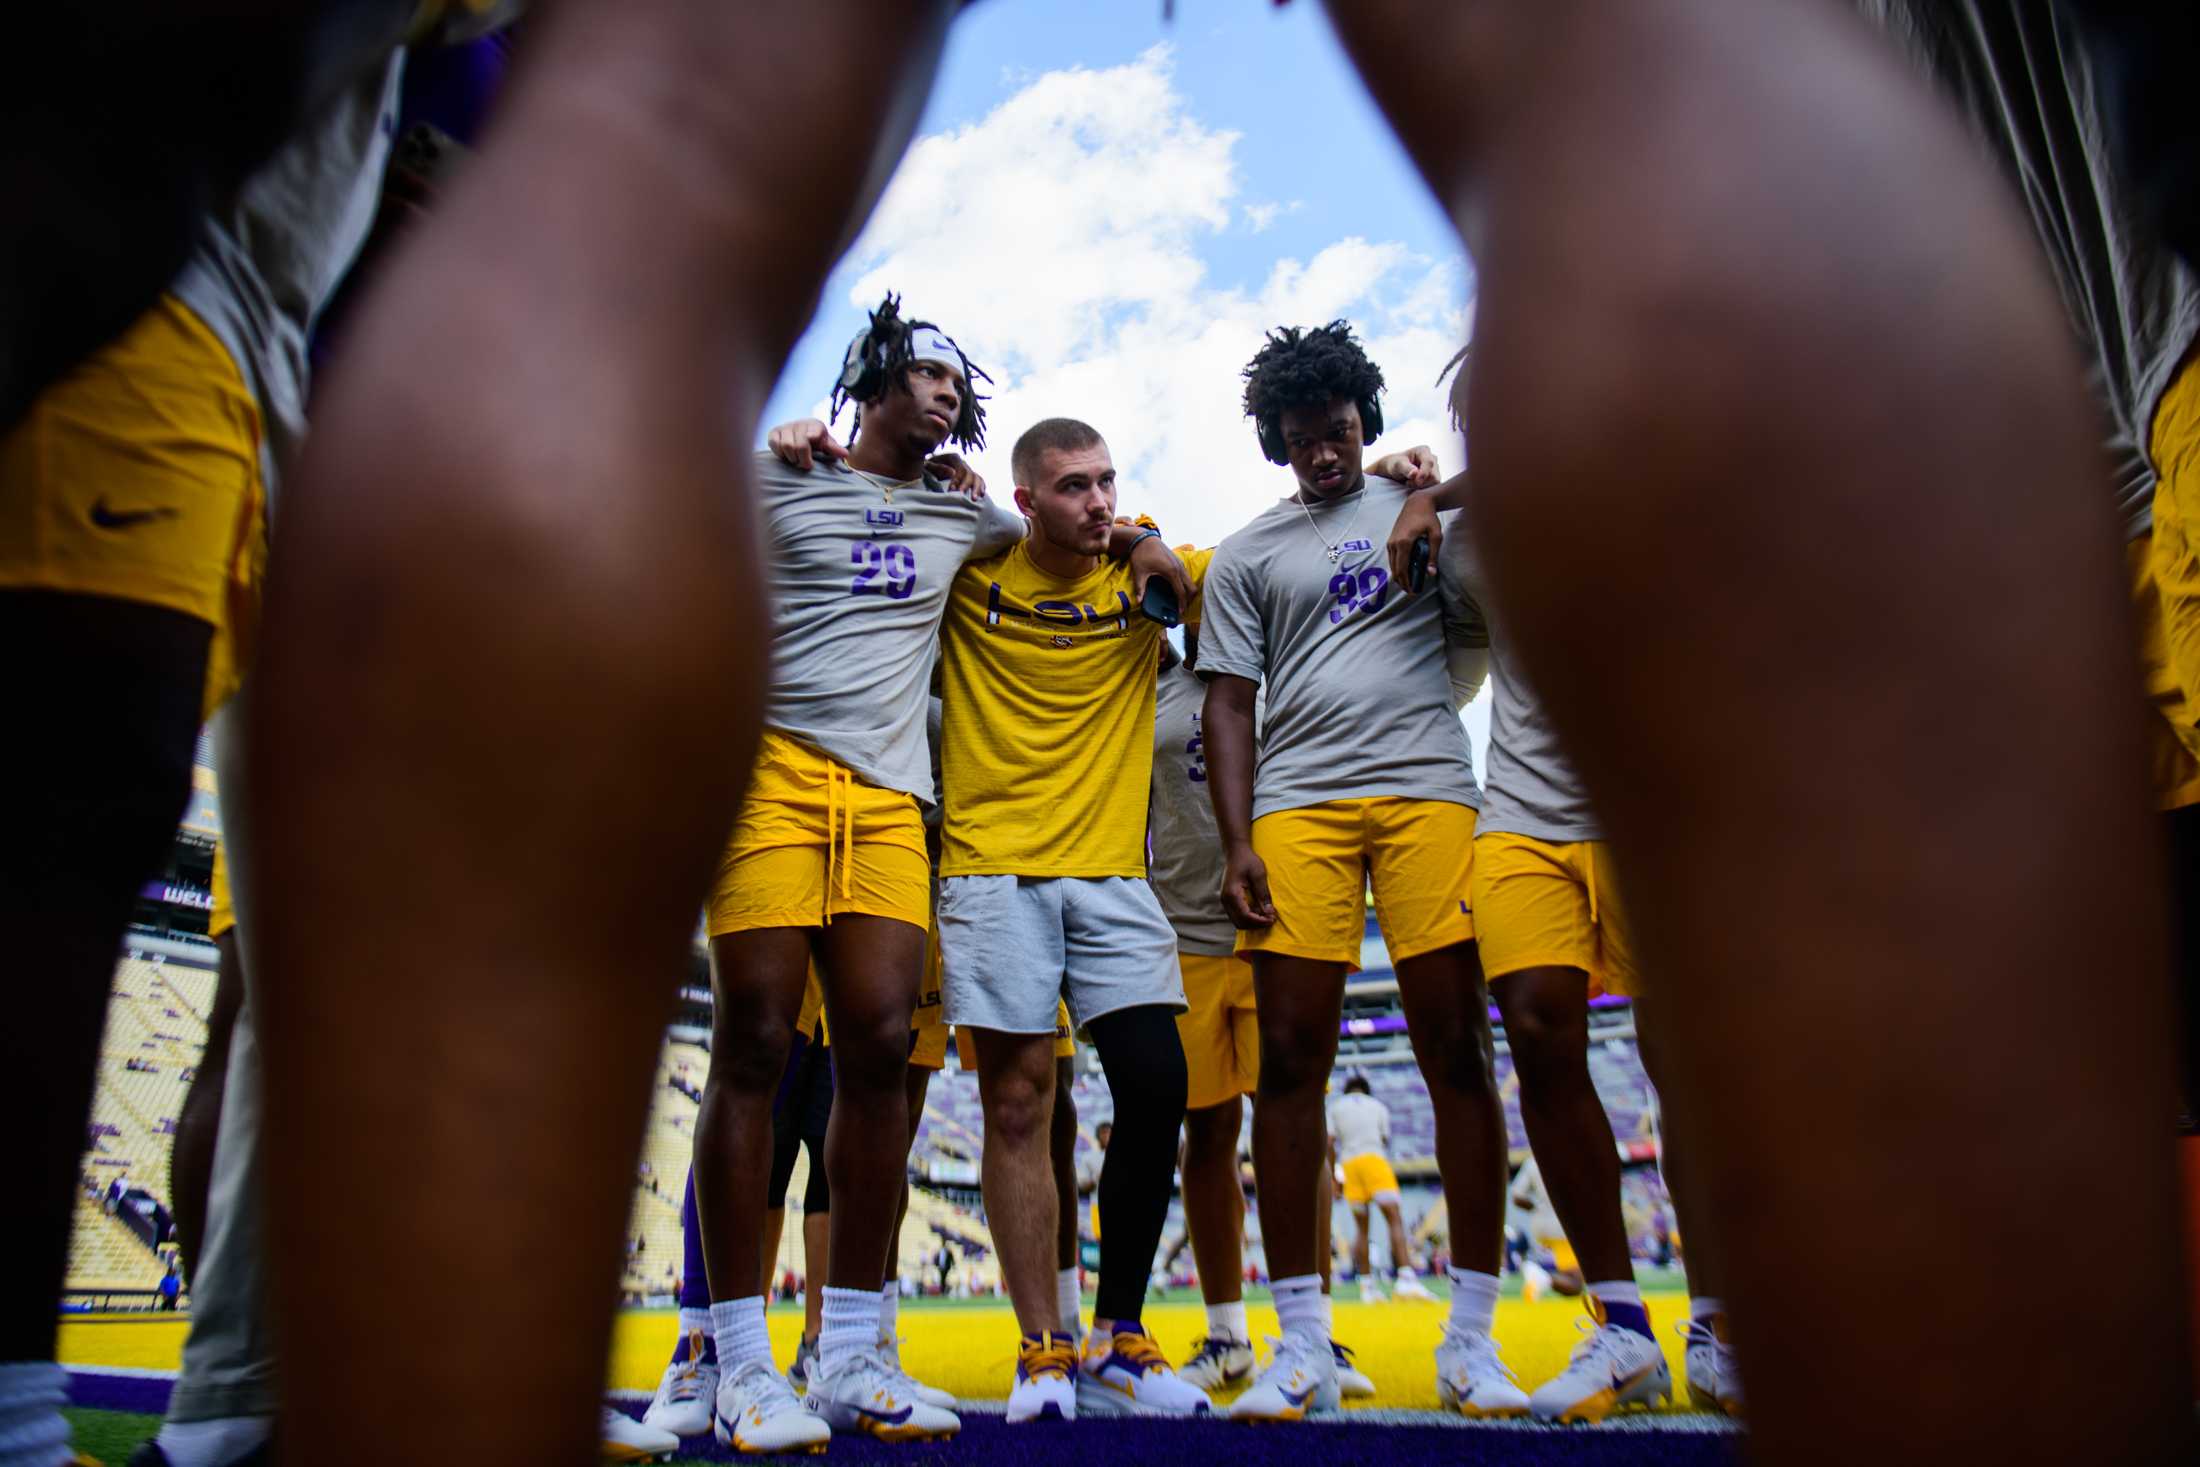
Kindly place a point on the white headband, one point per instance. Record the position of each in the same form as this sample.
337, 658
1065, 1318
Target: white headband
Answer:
929, 345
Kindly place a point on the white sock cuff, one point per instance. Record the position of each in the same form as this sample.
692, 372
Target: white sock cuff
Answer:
1706, 1307
849, 1325
1473, 1300
1301, 1306
738, 1327
692, 1320
1228, 1322
1612, 1291
1068, 1298
889, 1312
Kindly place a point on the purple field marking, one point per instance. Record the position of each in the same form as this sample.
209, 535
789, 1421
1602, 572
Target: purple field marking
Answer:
987, 1440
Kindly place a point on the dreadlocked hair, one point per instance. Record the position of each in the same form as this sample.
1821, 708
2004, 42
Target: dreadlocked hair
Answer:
1306, 369
886, 360
1455, 372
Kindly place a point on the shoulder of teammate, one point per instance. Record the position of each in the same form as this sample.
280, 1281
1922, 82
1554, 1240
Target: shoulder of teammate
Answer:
999, 530
1232, 640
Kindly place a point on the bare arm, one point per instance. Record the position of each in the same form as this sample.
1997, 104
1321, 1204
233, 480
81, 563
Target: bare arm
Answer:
1418, 517
1227, 721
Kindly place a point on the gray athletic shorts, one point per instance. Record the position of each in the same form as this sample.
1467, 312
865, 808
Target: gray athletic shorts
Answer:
1011, 945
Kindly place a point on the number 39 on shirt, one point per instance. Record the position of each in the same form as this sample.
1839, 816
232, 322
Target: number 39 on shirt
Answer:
1363, 590
883, 568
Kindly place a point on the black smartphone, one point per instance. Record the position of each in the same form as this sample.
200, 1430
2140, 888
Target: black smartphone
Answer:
1157, 602
1417, 565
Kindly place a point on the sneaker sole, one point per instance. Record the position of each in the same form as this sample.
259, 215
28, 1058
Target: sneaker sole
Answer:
663, 1424
617, 1452
1098, 1400
727, 1437
1596, 1407
1051, 1411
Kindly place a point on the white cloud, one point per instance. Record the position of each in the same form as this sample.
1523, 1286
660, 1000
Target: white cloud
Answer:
1061, 240
1258, 217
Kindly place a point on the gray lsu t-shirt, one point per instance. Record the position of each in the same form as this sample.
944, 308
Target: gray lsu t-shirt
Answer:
267, 264
2020, 74
1185, 864
1529, 787
1359, 698
860, 569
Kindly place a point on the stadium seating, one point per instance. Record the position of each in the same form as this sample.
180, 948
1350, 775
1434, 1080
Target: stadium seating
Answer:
156, 1033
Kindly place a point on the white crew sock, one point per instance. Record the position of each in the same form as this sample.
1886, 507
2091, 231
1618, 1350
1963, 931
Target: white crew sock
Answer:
213, 1443
32, 1428
1473, 1301
1704, 1308
850, 1327
889, 1313
1300, 1308
1329, 1315
1227, 1322
1067, 1298
738, 1326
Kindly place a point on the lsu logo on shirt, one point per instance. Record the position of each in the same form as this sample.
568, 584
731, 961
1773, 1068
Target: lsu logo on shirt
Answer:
1066, 619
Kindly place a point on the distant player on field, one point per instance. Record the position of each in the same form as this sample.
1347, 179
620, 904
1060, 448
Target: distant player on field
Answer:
1359, 1138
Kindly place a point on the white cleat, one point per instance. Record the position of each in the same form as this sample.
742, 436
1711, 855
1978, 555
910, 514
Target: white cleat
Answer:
1352, 1382
889, 1350
1127, 1375
1371, 1289
628, 1440
684, 1397
1409, 1286
867, 1397
1217, 1364
1714, 1375
1613, 1367
757, 1412
1046, 1384
1301, 1378
1473, 1380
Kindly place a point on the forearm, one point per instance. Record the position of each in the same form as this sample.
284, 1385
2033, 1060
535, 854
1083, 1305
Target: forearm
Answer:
1227, 727
1451, 494
1125, 534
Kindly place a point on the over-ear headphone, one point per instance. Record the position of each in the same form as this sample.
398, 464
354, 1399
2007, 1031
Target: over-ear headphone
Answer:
1271, 430
863, 372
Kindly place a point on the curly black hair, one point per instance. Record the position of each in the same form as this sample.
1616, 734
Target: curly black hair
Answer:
885, 346
1306, 368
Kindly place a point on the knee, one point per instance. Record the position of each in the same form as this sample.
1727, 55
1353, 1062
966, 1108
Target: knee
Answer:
1293, 1066
1016, 1110
1210, 1135
1143, 1054
1550, 1041
871, 1052
748, 1059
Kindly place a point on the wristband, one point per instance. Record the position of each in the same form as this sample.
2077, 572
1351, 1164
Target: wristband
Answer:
1149, 533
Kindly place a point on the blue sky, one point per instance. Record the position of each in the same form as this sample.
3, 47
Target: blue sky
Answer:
1307, 132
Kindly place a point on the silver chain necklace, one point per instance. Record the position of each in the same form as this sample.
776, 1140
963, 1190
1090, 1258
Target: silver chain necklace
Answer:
1334, 550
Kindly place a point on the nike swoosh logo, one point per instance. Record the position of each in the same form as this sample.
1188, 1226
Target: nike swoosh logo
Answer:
889, 1418
1299, 1398
123, 519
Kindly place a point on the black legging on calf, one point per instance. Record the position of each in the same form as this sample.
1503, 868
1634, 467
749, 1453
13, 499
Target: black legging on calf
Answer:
1144, 1059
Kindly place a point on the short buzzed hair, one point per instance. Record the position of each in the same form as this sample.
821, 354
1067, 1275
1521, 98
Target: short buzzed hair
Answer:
1049, 435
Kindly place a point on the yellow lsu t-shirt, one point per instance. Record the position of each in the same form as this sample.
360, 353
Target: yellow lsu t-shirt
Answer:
1046, 738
